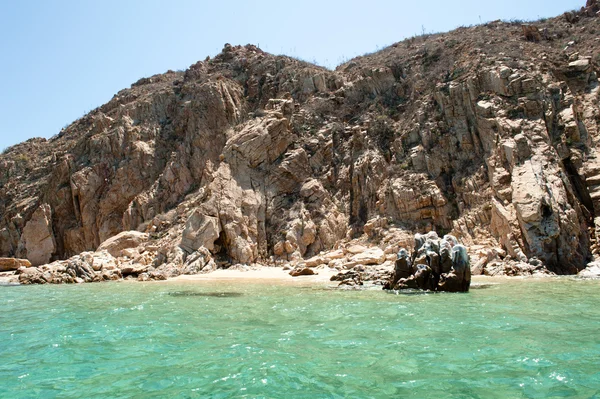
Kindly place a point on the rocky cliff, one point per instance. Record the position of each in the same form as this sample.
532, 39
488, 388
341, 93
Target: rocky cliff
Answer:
489, 133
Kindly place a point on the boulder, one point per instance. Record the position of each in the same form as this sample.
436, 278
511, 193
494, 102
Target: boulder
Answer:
580, 65
125, 240
356, 249
316, 261
78, 268
370, 256
591, 271
335, 255
11, 264
302, 271
84, 268
157, 275
531, 33
421, 279
38, 237
351, 278
198, 262
100, 260
359, 275
459, 278
133, 270
402, 269
32, 275
200, 231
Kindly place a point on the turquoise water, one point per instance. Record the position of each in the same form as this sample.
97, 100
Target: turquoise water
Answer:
532, 339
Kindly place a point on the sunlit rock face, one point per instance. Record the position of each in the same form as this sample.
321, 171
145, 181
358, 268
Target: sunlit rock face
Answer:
248, 157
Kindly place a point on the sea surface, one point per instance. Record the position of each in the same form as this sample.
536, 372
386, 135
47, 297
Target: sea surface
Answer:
515, 339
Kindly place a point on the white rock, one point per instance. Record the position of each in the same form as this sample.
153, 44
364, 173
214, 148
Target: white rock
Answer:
371, 256
591, 271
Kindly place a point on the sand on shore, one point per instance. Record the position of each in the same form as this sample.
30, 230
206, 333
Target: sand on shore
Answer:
277, 275
7, 279
266, 274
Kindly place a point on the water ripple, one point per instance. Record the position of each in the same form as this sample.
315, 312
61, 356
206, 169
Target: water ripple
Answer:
531, 339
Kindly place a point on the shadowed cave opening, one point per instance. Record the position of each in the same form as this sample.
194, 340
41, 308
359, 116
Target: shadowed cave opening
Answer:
220, 250
546, 210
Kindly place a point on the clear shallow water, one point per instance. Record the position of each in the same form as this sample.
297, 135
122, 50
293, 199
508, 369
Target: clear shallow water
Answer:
532, 339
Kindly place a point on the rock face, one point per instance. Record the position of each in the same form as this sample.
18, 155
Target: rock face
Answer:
37, 240
436, 265
488, 133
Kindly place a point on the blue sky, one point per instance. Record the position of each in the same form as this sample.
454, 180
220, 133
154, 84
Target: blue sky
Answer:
61, 59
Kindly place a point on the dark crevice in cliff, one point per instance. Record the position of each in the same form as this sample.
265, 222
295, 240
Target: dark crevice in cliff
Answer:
581, 190
220, 251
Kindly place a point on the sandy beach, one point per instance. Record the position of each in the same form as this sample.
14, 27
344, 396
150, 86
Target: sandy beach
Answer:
279, 275
263, 274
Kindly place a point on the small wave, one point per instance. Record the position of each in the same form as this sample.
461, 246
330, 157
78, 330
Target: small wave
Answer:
409, 291
3, 284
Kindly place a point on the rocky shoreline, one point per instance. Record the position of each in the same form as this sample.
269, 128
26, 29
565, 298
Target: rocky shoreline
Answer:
368, 278
435, 265
489, 134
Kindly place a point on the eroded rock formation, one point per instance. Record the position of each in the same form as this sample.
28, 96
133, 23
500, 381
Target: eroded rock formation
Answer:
250, 157
436, 265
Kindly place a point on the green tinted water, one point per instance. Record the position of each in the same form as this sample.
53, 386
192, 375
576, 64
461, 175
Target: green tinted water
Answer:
533, 339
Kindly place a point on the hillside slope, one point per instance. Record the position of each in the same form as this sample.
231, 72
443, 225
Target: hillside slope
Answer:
489, 133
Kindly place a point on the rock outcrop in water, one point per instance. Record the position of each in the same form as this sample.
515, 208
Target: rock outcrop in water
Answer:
489, 133
436, 265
